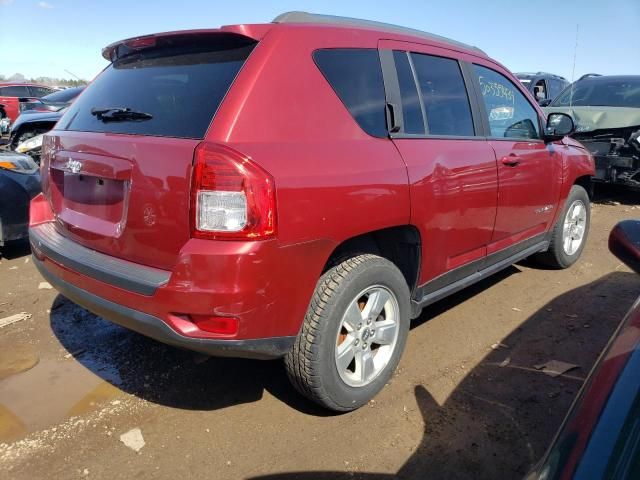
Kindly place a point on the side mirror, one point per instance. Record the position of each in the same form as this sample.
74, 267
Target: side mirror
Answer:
624, 243
559, 125
545, 102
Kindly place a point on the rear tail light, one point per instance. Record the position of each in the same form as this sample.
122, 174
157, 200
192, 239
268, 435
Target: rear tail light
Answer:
231, 196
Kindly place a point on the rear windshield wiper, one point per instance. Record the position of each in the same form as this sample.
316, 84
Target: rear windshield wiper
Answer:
115, 114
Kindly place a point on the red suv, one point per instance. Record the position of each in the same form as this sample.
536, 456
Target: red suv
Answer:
301, 189
12, 94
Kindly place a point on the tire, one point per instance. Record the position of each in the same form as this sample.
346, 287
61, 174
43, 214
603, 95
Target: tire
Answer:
330, 328
558, 255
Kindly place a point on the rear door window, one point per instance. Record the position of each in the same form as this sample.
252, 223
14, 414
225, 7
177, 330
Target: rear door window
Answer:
413, 121
180, 82
444, 95
40, 91
510, 114
14, 91
355, 75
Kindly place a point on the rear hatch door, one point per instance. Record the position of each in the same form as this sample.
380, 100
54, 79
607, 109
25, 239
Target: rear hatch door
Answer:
119, 181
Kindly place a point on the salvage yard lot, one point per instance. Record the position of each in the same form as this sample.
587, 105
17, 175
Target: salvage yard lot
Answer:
466, 401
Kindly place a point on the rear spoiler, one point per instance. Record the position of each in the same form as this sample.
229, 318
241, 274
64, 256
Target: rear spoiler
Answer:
123, 48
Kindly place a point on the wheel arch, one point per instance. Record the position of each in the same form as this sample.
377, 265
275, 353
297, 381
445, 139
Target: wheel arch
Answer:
400, 245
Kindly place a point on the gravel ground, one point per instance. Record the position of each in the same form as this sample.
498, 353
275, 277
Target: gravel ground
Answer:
466, 401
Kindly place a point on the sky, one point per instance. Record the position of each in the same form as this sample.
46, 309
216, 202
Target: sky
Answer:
55, 37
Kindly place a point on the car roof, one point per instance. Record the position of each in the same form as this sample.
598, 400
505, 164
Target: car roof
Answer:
538, 74
299, 20
297, 17
609, 78
21, 84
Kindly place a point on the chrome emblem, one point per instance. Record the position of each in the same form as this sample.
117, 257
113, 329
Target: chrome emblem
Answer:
149, 215
74, 166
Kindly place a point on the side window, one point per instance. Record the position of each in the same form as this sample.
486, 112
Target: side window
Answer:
510, 114
444, 95
355, 75
555, 87
413, 122
40, 91
14, 91
540, 90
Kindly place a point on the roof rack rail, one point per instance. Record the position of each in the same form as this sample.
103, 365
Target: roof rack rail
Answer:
587, 75
306, 17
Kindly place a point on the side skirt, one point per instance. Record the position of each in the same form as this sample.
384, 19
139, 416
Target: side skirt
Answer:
427, 296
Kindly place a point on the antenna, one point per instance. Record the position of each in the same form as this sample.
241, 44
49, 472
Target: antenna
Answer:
72, 74
573, 72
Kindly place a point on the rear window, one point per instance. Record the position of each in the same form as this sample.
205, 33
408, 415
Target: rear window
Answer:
356, 76
180, 83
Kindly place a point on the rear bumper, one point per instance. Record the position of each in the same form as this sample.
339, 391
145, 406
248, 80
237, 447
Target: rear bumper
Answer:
154, 327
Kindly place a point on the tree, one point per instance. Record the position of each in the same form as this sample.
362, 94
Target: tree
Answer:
17, 77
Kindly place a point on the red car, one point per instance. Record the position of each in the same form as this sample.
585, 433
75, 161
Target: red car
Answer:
301, 189
12, 94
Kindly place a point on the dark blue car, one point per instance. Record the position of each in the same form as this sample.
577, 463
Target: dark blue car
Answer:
19, 183
32, 124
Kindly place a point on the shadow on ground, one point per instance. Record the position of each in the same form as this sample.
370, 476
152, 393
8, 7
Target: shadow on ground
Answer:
496, 423
500, 419
605, 194
15, 249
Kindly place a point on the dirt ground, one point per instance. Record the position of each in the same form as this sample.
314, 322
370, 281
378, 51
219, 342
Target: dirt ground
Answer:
460, 406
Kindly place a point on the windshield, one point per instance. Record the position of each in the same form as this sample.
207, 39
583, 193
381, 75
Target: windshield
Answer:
601, 92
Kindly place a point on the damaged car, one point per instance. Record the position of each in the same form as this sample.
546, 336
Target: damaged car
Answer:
28, 130
606, 111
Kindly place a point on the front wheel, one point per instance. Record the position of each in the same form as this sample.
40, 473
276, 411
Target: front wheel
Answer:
353, 334
569, 234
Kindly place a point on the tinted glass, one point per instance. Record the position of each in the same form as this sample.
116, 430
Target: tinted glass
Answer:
555, 87
179, 85
510, 114
356, 77
444, 95
40, 91
15, 91
411, 110
63, 95
602, 91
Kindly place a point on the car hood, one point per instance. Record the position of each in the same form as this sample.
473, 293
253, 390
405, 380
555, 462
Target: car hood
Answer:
37, 117
588, 119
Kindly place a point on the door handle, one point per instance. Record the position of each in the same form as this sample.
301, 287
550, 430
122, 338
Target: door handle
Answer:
511, 160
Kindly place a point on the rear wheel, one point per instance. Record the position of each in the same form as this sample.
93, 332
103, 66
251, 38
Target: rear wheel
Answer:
569, 234
353, 334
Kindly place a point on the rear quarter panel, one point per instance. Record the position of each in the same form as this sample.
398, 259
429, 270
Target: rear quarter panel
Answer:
333, 180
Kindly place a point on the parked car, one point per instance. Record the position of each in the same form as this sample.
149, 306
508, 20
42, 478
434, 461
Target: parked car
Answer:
606, 110
199, 193
600, 437
543, 86
53, 102
12, 94
19, 183
27, 132
5, 123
